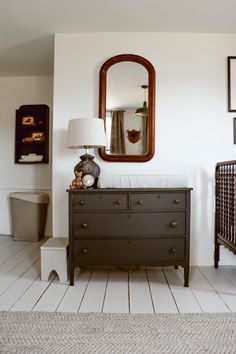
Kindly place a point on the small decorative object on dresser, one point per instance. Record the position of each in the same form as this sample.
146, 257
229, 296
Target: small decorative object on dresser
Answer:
86, 133
82, 183
88, 180
129, 227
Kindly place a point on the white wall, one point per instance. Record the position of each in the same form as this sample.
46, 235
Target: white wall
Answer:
193, 128
14, 92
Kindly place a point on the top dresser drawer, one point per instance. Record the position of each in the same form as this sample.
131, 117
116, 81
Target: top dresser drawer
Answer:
157, 201
111, 201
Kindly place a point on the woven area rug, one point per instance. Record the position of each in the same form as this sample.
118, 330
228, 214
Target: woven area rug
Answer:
117, 333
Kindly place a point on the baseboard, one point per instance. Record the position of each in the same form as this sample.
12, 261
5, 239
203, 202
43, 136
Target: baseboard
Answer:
205, 257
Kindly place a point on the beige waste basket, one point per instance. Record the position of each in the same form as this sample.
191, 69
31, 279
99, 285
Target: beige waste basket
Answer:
29, 214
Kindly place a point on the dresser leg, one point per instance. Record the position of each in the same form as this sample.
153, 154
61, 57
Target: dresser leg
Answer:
186, 275
72, 279
71, 272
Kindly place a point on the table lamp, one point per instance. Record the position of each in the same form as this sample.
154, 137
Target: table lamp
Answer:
86, 133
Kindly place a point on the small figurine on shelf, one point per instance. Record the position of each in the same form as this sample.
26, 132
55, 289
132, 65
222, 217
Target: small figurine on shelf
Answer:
27, 140
28, 120
77, 183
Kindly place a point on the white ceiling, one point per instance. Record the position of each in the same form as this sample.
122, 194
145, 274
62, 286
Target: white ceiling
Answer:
27, 26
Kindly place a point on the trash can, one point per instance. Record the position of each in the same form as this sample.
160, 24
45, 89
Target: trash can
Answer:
29, 214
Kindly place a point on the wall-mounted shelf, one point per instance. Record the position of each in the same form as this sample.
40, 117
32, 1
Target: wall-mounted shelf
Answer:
32, 134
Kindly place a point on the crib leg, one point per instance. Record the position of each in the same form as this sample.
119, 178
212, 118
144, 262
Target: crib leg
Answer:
216, 255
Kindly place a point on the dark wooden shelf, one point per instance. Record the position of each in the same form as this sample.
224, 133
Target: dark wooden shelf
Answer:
31, 143
36, 113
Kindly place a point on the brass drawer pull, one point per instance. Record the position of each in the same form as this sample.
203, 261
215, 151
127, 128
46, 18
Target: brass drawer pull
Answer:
172, 250
177, 201
84, 225
119, 202
140, 202
81, 202
84, 251
173, 224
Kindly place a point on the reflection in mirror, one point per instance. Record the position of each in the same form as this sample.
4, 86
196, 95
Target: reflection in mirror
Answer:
124, 97
127, 106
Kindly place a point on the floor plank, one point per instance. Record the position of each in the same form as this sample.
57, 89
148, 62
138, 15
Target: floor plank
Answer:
4, 238
13, 262
4, 245
95, 292
205, 294
140, 297
224, 287
31, 296
11, 252
10, 297
143, 291
162, 296
74, 294
116, 299
229, 272
11, 277
11, 249
51, 299
184, 298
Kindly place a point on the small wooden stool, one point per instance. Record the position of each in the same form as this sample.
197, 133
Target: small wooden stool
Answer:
54, 257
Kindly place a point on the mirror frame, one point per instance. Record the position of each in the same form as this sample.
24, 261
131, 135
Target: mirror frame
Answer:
151, 106
231, 72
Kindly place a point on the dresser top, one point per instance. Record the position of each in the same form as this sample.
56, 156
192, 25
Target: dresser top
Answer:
117, 190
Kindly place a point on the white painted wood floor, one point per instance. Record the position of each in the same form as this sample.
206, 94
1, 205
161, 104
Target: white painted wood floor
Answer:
148, 290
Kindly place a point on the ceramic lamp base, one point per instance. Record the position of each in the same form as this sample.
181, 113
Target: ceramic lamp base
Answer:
88, 166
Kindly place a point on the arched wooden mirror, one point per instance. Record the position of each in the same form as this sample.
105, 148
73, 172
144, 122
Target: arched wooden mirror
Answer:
127, 103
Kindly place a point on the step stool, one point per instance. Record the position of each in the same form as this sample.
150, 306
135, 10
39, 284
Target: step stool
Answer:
54, 257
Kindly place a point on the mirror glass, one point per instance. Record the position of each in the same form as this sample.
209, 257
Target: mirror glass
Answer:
127, 86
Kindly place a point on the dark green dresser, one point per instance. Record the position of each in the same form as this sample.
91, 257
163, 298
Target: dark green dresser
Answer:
129, 227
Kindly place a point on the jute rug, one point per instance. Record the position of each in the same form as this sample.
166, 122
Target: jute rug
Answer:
117, 333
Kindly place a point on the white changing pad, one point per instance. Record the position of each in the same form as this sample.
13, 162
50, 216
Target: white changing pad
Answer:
142, 181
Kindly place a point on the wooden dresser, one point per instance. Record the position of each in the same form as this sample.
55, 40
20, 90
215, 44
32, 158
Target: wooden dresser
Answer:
129, 227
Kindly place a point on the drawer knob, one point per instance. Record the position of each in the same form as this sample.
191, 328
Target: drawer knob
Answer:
173, 250
84, 251
140, 202
84, 225
173, 224
81, 202
177, 201
119, 202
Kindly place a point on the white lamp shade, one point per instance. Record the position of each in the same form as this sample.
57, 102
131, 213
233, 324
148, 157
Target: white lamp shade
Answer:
86, 132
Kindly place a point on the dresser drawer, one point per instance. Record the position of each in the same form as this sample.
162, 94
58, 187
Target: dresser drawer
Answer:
128, 224
128, 252
99, 201
157, 201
